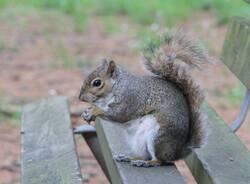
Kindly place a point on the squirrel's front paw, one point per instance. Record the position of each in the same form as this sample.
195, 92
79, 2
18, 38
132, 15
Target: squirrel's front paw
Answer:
87, 115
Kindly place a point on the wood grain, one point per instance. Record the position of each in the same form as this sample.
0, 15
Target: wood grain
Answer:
48, 148
236, 50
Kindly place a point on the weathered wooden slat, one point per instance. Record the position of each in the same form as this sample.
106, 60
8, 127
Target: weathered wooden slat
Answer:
48, 148
236, 50
224, 159
112, 141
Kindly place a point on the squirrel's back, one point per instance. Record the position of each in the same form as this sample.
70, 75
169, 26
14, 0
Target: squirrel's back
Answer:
162, 60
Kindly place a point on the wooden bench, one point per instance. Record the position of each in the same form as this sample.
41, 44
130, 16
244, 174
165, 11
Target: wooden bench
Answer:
48, 147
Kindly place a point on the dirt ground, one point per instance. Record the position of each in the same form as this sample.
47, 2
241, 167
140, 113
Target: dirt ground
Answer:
42, 54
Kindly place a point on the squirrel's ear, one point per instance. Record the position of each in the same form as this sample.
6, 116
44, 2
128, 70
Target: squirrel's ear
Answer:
111, 71
104, 62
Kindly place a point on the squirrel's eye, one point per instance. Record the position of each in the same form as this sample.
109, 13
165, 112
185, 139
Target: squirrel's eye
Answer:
97, 83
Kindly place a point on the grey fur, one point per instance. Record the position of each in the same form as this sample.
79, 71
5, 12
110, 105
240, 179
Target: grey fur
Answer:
171, 95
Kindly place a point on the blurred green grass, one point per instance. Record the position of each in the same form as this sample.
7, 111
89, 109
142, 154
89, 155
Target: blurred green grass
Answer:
165, 12
142, 13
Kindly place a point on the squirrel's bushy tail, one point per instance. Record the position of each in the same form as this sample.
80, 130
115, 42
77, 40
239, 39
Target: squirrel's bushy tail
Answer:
165, 58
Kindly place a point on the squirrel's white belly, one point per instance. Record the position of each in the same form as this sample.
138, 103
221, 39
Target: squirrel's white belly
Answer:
141, 134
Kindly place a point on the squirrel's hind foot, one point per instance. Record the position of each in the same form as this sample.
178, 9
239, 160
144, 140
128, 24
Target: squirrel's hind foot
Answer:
124, 158
137, 161
146, 163
121, 158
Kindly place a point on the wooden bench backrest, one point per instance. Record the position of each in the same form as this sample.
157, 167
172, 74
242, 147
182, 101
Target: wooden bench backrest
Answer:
236, 50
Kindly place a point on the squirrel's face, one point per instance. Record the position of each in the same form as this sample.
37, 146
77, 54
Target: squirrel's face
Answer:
99, 83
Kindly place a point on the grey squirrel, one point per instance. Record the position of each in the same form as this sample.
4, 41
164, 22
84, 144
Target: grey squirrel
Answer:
166, 104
